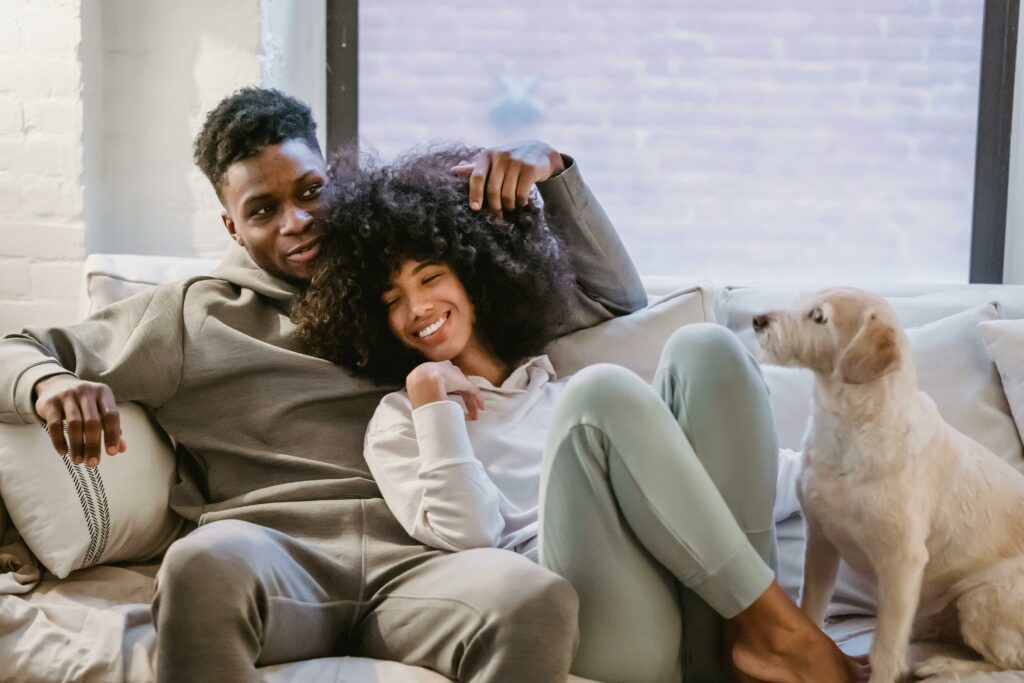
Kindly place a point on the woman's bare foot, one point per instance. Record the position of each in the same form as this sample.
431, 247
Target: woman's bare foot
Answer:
772, 641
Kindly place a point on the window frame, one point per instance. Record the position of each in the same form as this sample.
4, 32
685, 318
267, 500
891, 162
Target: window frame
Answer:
992, 156
992, 153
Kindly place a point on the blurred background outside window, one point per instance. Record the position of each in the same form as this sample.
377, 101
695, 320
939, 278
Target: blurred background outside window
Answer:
744, 141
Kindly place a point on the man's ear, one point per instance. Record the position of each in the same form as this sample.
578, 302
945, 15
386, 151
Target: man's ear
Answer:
229, 223
872, 353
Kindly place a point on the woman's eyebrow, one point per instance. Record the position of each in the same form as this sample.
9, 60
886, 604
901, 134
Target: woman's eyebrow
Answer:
423, 265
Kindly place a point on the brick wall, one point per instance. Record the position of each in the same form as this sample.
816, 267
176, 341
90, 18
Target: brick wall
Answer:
42, 226
793, 140
99, 103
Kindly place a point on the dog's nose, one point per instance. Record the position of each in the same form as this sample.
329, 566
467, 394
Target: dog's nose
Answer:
761, 322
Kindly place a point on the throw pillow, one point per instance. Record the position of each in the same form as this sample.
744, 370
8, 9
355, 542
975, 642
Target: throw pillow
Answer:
72, 516
1004, 340
633, 341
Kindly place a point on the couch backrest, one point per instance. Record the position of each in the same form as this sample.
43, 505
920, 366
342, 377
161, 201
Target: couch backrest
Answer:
636, 341
915, 304
107, 278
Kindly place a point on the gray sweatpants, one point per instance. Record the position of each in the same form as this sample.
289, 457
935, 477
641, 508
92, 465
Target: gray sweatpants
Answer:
656, 504
233, 595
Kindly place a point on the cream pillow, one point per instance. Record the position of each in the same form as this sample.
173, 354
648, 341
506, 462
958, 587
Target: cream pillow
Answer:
633, 341
1004, 340
73, 517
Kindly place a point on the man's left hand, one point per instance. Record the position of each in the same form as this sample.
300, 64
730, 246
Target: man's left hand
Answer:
505, 174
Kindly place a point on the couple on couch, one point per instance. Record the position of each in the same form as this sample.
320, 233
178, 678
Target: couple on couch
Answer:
634, 520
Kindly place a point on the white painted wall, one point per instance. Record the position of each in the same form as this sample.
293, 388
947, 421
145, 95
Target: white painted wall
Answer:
165, 64
293, 49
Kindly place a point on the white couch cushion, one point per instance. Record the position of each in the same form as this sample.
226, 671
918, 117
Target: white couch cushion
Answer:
111, 277
1004, 340
72, 516
736, 307
633, 341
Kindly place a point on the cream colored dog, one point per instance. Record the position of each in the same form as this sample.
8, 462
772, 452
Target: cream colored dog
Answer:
896, 492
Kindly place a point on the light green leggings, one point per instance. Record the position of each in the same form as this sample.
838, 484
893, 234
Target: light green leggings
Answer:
656, 504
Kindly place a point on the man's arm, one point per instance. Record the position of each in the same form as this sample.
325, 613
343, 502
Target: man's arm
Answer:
607, 284
131, 350
606, 280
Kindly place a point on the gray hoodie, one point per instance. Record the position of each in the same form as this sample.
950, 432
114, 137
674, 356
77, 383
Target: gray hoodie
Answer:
264, 432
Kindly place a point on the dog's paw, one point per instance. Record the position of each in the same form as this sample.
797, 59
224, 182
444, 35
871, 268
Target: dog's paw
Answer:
882, 677
934, 666
941, 665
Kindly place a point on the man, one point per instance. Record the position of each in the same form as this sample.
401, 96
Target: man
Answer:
296, 554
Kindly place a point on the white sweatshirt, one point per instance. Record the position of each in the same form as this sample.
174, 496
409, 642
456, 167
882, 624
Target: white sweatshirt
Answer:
457, 484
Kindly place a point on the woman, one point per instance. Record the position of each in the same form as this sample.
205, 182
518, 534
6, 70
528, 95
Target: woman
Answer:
656, 503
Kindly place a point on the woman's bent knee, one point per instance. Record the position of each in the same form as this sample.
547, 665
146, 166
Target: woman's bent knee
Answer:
710, 354
603, 389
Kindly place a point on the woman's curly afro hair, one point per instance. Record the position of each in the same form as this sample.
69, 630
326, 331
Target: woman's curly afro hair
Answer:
516, 273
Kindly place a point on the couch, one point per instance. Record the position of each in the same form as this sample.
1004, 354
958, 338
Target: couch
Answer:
94, 625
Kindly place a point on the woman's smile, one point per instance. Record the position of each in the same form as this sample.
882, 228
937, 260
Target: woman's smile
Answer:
428, 309
435, 332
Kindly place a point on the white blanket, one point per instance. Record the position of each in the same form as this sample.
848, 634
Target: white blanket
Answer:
95, 626
19, 570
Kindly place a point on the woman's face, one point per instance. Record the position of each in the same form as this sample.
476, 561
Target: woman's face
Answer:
429, 310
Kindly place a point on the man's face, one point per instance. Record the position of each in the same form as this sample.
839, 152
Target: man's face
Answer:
268, 203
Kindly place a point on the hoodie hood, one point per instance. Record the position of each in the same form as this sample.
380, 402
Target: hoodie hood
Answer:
238, 268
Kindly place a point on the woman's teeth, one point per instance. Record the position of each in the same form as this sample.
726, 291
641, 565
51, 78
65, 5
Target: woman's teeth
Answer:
432, 327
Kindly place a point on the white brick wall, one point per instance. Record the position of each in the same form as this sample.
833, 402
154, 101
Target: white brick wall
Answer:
99, 103
42, 227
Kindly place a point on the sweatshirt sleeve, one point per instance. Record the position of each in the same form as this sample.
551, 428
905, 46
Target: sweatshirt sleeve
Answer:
133, 346
429, 476
607, 283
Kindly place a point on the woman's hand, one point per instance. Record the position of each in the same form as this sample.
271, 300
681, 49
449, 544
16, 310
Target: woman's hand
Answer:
432, 382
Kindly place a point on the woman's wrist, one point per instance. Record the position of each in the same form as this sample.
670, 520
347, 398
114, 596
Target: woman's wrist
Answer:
424, 386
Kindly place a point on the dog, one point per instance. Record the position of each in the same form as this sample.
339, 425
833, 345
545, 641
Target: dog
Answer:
888, 486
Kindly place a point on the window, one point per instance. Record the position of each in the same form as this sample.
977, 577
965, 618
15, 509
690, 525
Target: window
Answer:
742, 141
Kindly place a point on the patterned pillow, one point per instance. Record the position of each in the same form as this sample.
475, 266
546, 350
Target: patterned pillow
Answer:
72, 516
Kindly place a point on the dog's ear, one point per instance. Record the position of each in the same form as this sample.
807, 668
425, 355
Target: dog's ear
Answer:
872, 353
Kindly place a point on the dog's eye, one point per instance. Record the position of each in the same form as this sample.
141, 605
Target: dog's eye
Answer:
818, 316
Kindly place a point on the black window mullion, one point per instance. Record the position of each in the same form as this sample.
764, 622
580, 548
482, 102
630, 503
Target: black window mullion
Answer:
992, 160
342, 73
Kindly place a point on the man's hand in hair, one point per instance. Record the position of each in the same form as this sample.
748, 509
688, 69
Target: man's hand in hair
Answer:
505, 174
90, 411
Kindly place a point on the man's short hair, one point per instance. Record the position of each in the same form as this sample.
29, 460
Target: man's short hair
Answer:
246, 122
